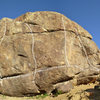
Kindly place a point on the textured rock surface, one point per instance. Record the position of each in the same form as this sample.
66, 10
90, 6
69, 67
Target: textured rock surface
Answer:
41, 50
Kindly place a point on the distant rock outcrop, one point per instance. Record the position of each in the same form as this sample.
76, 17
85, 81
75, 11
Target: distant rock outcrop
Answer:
44, 52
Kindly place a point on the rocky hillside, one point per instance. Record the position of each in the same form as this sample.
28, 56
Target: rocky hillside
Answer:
45, 52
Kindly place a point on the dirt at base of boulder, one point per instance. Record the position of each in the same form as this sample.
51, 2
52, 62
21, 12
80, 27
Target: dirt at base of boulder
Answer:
82, 92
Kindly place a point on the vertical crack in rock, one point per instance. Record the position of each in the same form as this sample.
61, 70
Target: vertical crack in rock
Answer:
81, 43
66, 59
33, 52
3, 33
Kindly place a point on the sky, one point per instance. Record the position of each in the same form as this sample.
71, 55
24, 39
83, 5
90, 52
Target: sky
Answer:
84, 12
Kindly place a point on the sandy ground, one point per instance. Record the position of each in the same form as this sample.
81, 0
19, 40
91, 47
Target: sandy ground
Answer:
82, 92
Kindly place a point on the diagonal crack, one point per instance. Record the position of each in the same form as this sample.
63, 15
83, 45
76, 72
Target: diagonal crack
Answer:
10, 76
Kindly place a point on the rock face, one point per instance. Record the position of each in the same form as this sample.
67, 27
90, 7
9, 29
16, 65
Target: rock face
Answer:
43, 52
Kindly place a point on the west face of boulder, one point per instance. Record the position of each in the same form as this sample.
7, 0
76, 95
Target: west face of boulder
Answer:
45, 51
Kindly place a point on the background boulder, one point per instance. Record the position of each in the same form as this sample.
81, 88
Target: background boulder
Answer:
41, 51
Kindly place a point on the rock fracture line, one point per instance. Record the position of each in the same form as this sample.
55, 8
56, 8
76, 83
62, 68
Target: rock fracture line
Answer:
33, 54
65, 41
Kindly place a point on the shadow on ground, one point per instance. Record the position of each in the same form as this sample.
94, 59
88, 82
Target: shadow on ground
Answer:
94, 93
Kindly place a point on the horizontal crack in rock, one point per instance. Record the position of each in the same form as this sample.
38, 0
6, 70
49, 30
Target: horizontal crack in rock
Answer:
27, 74
21, 55
31, 23
10, 76
50, 31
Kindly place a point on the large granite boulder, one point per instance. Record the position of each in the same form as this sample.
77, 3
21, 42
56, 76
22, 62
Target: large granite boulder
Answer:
43, 52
